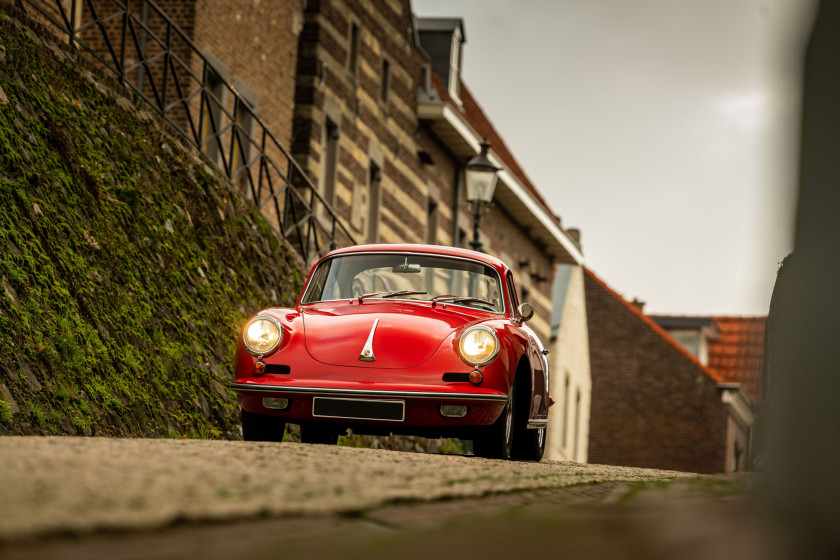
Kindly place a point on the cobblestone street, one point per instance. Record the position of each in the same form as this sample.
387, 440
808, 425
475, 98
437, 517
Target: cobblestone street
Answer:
129, 498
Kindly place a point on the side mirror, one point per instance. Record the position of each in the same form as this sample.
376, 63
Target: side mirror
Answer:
526, 311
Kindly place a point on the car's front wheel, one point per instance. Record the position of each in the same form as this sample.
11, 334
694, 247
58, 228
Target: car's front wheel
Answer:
261, 427
529, 445
496, 442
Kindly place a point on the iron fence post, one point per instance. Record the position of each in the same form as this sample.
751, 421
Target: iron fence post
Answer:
72, 21
122, 42
166, 63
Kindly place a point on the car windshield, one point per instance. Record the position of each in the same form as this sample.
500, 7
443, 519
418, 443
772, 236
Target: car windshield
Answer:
407, 276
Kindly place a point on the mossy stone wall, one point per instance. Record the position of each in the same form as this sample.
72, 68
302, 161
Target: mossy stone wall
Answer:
127, 264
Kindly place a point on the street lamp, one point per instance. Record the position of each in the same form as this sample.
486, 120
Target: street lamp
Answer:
481, 177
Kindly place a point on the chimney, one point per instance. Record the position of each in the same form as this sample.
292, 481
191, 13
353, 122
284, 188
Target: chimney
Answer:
574, 233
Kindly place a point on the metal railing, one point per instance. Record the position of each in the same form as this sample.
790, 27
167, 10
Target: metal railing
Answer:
157, 61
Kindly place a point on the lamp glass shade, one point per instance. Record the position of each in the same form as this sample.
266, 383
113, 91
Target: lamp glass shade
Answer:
481, 183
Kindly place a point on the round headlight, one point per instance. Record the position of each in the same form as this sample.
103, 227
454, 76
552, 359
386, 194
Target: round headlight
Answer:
479, 346
262, 335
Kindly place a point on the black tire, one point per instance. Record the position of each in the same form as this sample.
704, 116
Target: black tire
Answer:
261, 427
318, 433
497, 440
529, 445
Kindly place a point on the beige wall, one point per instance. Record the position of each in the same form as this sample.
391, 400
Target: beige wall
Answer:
740, 420
568, 419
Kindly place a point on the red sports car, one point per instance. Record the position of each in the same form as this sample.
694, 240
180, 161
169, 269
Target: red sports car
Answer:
403, 339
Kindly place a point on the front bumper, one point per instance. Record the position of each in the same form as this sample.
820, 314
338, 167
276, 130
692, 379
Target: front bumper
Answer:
422, 402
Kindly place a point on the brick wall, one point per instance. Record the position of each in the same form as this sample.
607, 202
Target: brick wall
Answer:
105, 42
258, 42
651, 406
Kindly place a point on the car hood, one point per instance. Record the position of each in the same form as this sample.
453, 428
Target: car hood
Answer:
406, 334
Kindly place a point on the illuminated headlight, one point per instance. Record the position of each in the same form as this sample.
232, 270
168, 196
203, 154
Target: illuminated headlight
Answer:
479, 346
262, 335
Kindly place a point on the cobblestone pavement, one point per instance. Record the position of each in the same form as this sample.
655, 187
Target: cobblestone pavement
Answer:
69, 485
689, 519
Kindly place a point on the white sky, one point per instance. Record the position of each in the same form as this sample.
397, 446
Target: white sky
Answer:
666, 130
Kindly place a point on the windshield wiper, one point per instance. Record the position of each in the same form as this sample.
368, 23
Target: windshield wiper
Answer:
390, 294
447, 297
459, 299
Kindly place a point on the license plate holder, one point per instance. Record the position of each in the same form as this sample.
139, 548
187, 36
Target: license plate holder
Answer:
358, 409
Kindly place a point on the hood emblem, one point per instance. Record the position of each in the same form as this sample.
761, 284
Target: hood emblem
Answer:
367, 351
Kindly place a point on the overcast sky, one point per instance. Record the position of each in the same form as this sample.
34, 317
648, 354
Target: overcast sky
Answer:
666, 130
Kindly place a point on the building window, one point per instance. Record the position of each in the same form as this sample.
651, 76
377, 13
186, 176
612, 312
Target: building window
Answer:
431, 222
356, 208
353, 49
212, 115
329, 161
243, 115
386, 81
565, 410
374, 197
462, 238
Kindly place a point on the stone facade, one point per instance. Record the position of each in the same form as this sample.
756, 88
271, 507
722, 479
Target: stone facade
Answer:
356, 116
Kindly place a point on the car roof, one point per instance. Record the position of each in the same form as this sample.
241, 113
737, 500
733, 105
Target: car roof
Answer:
419, 248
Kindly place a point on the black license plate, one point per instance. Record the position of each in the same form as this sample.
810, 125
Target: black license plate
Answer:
358, 409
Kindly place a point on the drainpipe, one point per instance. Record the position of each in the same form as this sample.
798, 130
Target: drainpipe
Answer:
456, 231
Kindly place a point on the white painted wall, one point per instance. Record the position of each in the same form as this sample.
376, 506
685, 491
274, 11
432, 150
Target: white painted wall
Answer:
568, 420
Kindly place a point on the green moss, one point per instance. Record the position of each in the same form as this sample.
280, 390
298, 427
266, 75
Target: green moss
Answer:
122, 302
644, 486
5, 412
38, 416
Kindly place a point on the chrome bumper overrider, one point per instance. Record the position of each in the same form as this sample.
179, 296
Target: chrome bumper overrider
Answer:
367, 392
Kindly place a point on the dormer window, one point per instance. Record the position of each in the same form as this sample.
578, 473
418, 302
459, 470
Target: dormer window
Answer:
455, 53
443, 40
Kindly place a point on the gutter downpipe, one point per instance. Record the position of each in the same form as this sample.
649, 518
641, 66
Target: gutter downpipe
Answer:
456, 230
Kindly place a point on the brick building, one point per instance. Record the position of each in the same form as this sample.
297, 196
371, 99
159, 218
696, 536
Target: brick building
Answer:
654, 404
730, 346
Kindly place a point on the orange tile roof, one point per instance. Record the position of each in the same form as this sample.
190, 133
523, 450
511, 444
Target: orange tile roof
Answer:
738, 354
713, 374
478, 120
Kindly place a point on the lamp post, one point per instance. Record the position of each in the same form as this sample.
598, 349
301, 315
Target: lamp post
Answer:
481, 177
